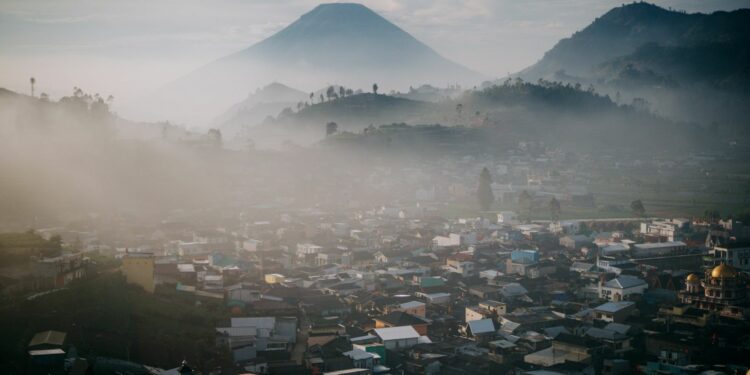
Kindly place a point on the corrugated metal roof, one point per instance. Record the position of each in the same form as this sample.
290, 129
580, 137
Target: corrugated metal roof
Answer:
48, 338
257, 322
481, 326
397, 333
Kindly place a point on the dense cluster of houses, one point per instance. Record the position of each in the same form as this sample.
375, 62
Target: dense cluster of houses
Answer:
388, 291
382, 293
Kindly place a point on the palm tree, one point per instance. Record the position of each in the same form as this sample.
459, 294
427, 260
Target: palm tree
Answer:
33, 81
375, 88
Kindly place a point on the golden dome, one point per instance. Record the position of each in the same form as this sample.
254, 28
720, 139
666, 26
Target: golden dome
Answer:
692, 278
723, 271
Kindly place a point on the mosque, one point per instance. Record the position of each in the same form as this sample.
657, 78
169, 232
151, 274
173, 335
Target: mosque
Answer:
722, 290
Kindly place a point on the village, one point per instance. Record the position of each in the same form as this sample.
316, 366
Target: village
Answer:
392, 290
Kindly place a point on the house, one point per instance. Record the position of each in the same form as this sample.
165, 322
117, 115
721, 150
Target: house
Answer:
575, 242
363, 359
462, 264
412, 307
47, 340
59, 271
482, 331
484, 310
507, 217
451, 240
399, 319
306, 251
325, 354
567, 227
397, 338
247, 336
735, 254
610, 337
484, 291
436, 298
274, 278
622, 287
614, 311
251, 245
658, 249
138, 269
565, 348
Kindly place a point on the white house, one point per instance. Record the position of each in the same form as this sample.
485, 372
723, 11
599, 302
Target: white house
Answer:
305, 249
250, 245
395, 338
436, 298
621, 287
451, 240
507, 217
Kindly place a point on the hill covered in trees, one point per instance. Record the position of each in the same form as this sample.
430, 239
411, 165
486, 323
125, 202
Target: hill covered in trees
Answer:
561, 115
689, 66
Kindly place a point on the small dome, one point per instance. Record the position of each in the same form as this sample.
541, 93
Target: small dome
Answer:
692, 278
723, 271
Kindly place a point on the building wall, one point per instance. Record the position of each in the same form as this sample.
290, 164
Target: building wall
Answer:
139, 270
418, 311
473, 315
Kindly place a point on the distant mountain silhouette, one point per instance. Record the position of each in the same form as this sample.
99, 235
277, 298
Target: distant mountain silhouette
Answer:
664, 44
358, 111
344, 43
264, 102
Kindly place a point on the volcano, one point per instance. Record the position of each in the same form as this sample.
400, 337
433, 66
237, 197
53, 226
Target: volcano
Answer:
340, 43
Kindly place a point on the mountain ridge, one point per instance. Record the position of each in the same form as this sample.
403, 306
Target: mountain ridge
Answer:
345, 43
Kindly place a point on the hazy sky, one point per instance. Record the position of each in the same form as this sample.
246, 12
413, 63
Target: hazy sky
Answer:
128, 47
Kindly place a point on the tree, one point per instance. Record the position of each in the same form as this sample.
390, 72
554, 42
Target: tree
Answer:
641, 105
321, 98
375, 88
349, 92
299, 106
459, 110
712, 216
524, 202
484, 191
554, 209
312, 97
32, 80
331, 128
637, 207
330, 92
214, 136
342, 91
